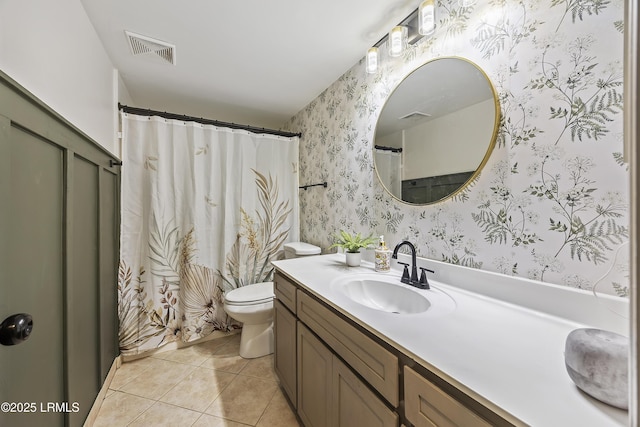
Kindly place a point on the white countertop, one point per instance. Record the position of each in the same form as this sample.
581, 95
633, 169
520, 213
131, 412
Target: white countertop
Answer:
507, 356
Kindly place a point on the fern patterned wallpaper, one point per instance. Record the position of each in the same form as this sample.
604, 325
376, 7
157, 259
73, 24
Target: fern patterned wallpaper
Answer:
552, 202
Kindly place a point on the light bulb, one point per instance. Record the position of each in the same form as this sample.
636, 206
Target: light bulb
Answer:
372, 60
427, 17
397, 40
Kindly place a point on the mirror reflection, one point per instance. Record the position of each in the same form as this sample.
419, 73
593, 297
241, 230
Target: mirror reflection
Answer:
436, 131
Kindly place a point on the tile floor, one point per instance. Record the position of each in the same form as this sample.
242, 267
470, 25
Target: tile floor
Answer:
207, 384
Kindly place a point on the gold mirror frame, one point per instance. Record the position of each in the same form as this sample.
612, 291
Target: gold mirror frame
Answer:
491, 142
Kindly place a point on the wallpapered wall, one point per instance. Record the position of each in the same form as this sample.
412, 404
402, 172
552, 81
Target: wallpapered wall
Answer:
552, 202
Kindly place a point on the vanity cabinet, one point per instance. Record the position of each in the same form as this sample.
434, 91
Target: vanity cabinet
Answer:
427, 405
373, 362
285, 349
315, 363
285, 292
354, 404
330, 394
336, 374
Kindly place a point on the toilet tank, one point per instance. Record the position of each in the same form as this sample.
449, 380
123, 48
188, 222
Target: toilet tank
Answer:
300, 249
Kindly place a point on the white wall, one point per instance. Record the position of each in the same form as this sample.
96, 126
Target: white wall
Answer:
449, 144
51, 48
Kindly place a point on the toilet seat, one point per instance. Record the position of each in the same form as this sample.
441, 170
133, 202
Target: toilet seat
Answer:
254, 294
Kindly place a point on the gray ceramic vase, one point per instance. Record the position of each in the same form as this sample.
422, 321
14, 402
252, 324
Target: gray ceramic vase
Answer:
597, 362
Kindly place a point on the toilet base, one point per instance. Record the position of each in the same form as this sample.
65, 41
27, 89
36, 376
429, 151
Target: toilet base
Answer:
256, 340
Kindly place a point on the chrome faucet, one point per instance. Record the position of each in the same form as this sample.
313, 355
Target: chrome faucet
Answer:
412, 280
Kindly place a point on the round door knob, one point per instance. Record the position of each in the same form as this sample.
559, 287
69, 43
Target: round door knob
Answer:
16, 329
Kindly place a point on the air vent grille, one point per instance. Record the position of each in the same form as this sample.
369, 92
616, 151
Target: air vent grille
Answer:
414, 115
143, 45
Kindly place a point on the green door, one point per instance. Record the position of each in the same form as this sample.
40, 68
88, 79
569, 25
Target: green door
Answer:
31, 276
59, 232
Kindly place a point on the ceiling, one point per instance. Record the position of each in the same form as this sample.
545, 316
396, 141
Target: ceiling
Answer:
416, 100
252, 62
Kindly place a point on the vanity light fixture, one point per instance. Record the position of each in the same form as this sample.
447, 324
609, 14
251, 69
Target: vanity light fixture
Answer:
427, 17
372, 59
421, 22
398, 40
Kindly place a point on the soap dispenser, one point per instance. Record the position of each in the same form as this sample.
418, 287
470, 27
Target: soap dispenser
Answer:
383, 257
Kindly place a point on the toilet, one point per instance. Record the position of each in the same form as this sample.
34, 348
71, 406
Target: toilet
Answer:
253, 306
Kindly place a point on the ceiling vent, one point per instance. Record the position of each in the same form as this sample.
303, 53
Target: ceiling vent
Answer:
415, 115
143, 45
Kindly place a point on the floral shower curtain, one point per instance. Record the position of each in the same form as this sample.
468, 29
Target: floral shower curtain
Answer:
204, 210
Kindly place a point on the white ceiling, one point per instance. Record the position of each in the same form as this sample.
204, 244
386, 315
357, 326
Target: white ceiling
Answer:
438, 88
253, 62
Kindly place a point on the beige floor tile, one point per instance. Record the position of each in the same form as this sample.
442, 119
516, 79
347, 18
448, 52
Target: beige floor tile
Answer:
155, 382
244, 400
163, 414
226, 358
187, 355
233, 343
131, 370
278, 413
119, 409
211, 346
261, 367
198, 389
211, 421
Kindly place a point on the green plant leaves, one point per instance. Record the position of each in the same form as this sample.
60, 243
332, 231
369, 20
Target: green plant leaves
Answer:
353, 243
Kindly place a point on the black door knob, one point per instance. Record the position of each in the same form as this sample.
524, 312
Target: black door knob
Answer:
16, 329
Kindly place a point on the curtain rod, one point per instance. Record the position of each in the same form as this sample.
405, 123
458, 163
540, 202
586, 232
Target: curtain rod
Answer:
164, 114
392, 149
323, 184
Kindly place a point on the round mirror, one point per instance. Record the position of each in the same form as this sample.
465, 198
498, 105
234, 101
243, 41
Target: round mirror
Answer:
436, 131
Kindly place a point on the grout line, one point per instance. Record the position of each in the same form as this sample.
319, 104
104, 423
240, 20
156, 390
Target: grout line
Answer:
213, 354
267, 407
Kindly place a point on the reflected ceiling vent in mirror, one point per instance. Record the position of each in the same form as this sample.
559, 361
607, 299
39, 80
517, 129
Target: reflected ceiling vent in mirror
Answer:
147, 46
414, 115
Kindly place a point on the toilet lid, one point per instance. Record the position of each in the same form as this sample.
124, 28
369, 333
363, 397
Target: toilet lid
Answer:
251, 294
302, 248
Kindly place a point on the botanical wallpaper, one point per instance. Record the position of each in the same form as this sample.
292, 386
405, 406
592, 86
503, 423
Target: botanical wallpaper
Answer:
551, 203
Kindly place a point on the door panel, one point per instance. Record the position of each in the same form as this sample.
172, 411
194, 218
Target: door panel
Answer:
354, 404
82, 292
109, 255
32, 282
314, 379
59, 234
284, 356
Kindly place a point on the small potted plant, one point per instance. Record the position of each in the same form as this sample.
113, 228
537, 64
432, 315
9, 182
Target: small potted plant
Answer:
352, 245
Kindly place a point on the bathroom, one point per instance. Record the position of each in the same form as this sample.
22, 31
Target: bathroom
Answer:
338, 128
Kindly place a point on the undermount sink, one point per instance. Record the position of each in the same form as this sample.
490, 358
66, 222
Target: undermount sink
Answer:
387, 294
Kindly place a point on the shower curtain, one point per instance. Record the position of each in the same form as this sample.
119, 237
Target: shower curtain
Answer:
388, 166
204, 210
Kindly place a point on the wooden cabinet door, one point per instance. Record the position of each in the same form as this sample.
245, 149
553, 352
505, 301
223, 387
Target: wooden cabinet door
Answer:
354, 404
285, 291
285, 362
374, 363
314, 380
426, 405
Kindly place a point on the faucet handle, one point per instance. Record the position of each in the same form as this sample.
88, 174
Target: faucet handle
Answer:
423, 278
405, 273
